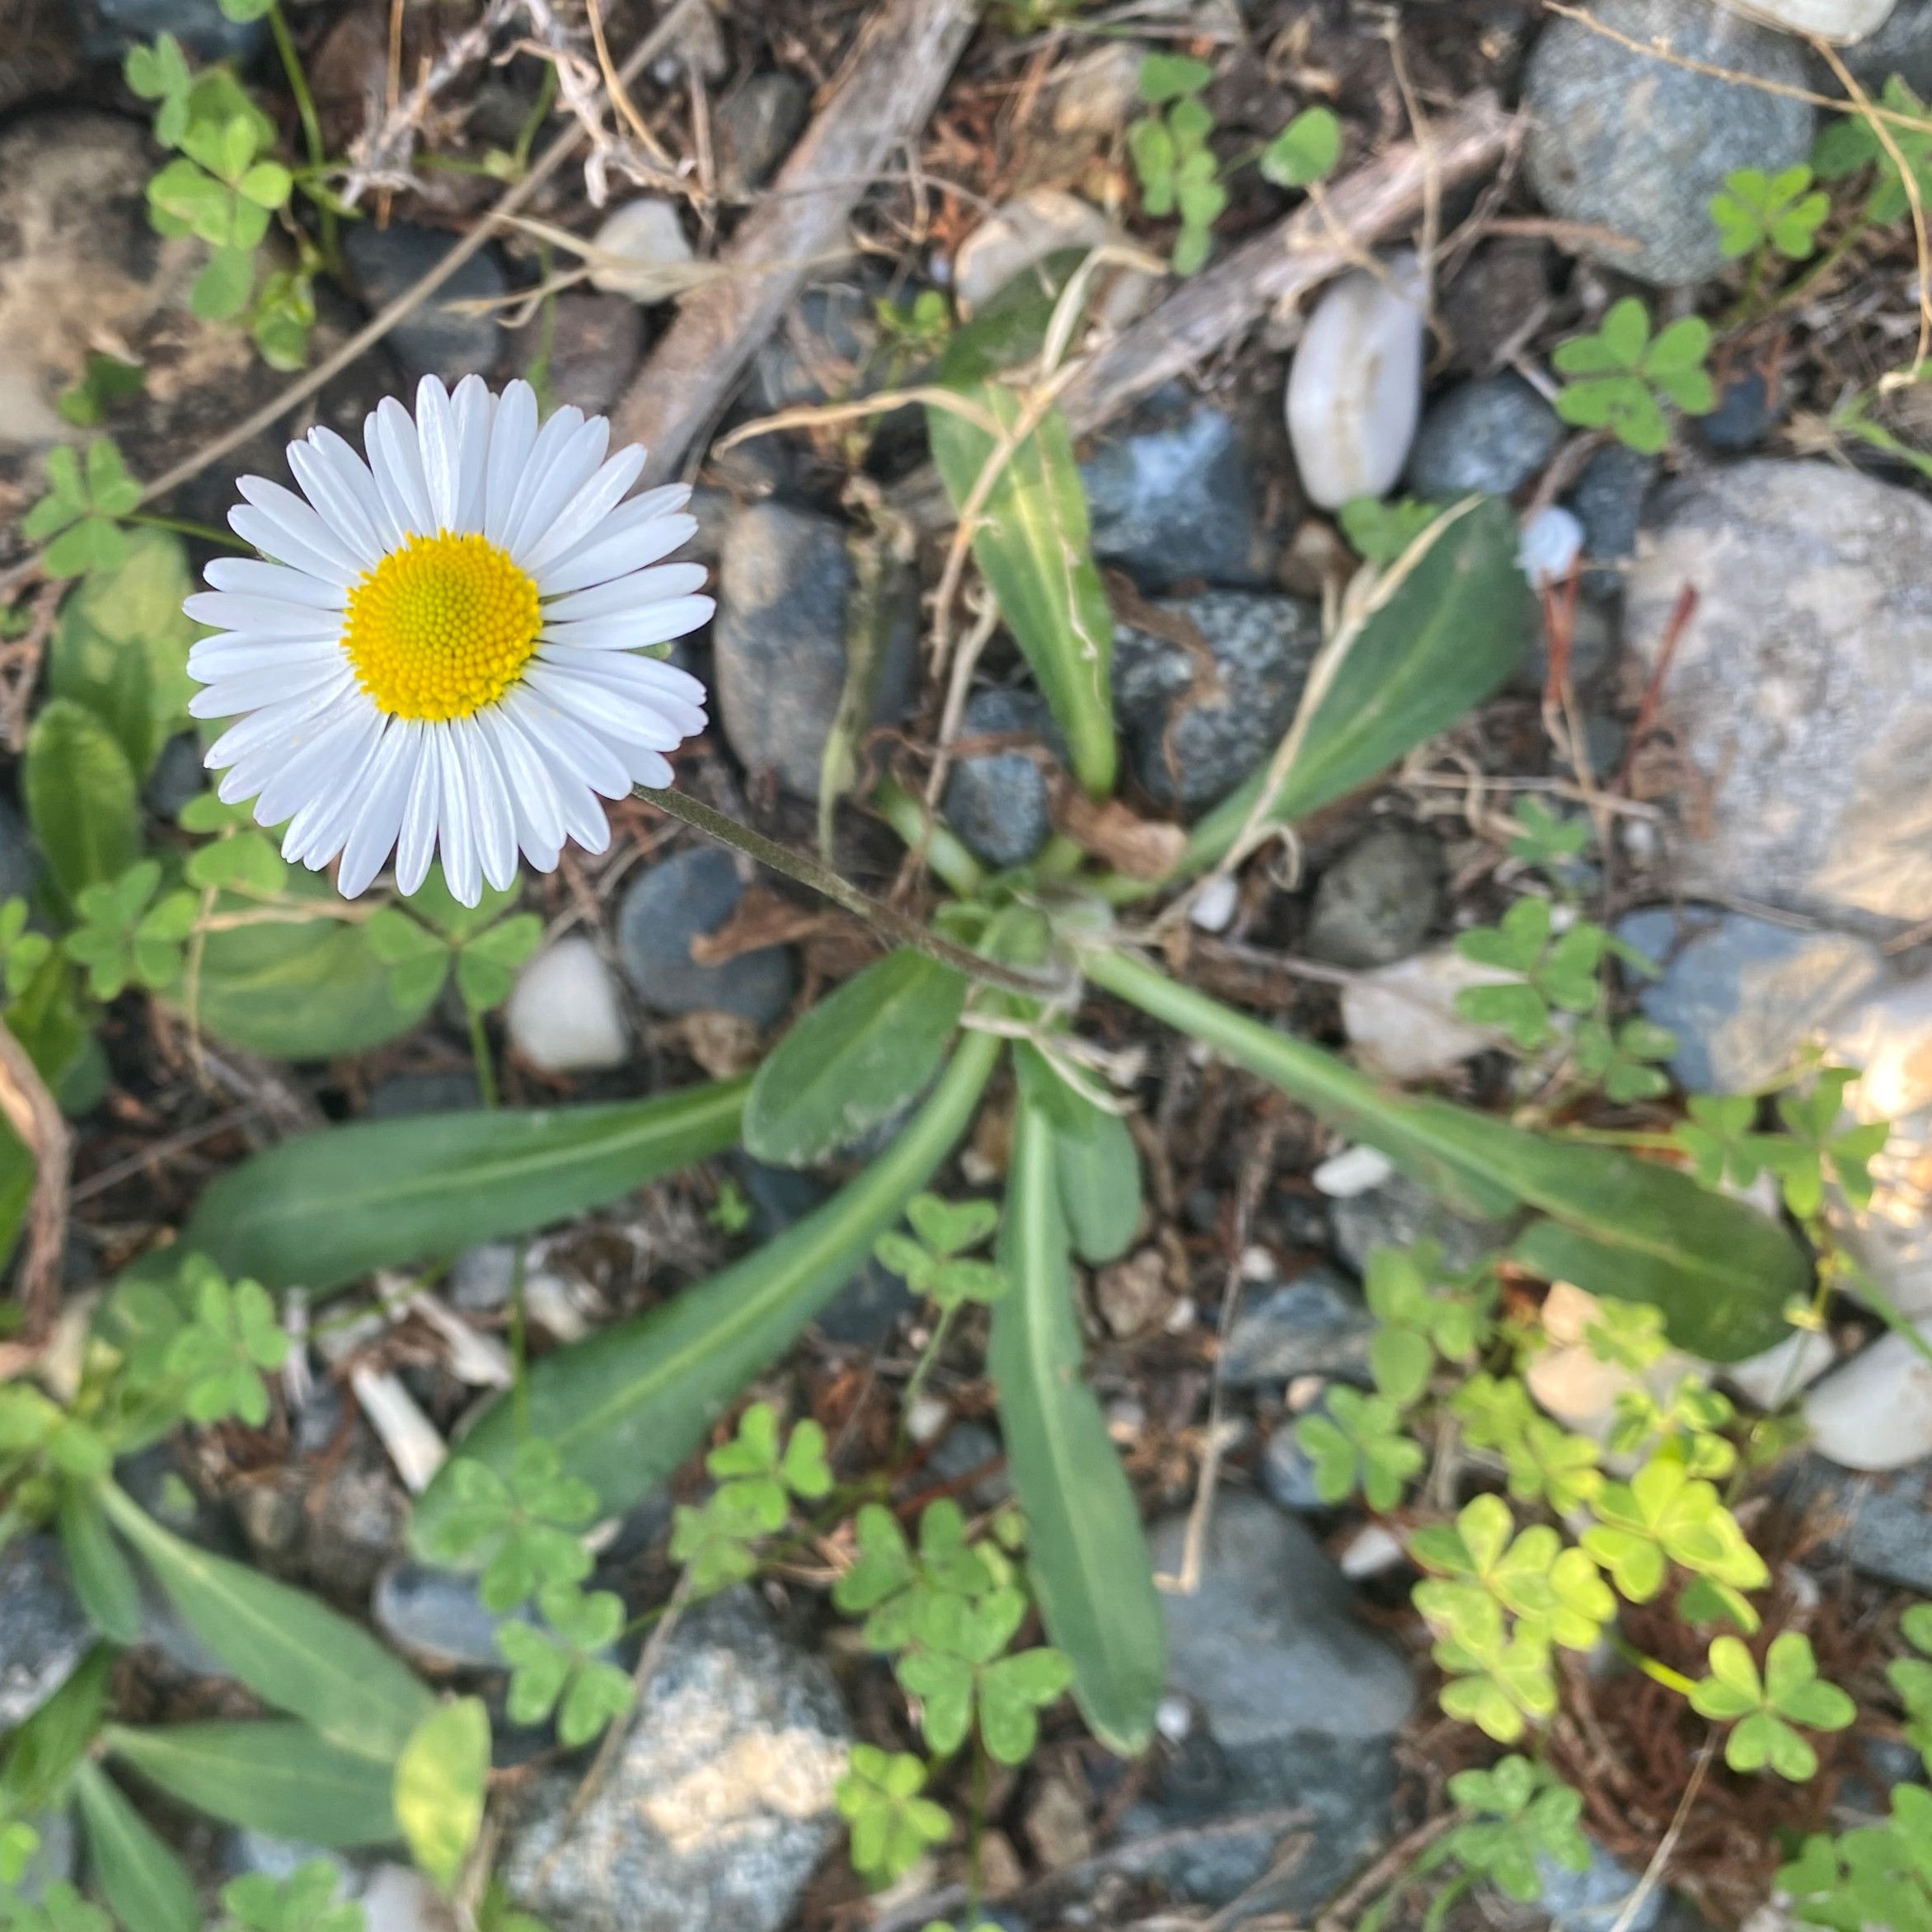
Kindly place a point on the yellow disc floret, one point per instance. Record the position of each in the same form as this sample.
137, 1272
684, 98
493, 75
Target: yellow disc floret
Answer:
441, 627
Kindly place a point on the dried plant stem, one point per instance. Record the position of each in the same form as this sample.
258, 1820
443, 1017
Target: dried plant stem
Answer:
30, 1111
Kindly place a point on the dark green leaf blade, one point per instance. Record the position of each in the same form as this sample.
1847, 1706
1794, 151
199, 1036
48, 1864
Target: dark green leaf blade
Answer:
142, 1881
327, 1208
1089, 1554
103, 1578
1447, 638
82, 797
1099, 1166
283, 1644
1723, 1272
854, 1059
276, 1776
626, 1407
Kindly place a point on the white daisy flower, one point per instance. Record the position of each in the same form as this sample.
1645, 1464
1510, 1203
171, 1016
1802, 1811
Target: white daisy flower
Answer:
442, 651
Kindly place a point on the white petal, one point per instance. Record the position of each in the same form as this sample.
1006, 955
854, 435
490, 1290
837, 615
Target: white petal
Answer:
648, 767
475, 406
628, 592
249, 691
416, 844
495, 828
562, 462
339, 505
587, 509
273, 540
288, 510
251, 577
677, 695
356, 477
457, 838
372, 837
534, 803
513, 433
223, 656
228, 609
611, 713
321, 766
396, 459
281, 724
626, 541
569, 751
656, 623
436, 438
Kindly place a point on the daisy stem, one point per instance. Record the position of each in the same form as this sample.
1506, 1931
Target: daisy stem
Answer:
480, 1052
311, 126
883, 918
206, 532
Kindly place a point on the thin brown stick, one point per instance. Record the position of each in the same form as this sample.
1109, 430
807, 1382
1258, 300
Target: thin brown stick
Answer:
1682, 612
1286, 262
30, 1111
1341, 1911
619, 93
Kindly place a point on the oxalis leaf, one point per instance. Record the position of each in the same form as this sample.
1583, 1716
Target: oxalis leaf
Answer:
1722, 1273
1088, 1555
854, 1058
1447, 636
1031, 538
327, 1208
283, 1644
624, 1408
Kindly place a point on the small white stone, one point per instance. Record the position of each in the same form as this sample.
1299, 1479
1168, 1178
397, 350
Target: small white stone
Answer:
1355, 390
1303, 1392
1355, 1170
1572, 1386
1097, 93
396, 1899
1371, 1551
1402, 1019
555, 1304
1024, 232
1173, 1719
1182, 1316
928, 1416
639, 250
1876, 1412
1835, 20
1259, 1264
1126, 1420
1214, 905
1552, 541
564, 1015
1770, 1379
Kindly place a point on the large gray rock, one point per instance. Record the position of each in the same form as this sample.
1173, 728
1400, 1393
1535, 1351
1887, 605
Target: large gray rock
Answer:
1198, 722
1902, 46
784, 601
686, 896
1379, 899
44, 1631
720, 1803
1626, 141
997, 801
1491, 435
1742, 995
1173, 498
1880, 1524
1801, 695
1269, 1645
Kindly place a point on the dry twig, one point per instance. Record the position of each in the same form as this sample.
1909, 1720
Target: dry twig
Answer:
30, 1111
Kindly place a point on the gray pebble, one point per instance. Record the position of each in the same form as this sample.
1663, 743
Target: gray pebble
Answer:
1316, 1325
756, 127
434, 340
997, 801
1379, 900
1608, 501
1491, 436
44, 1631
682, 898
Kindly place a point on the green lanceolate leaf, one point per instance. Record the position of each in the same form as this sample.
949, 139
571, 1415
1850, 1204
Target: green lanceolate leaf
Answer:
854, 1059
121, 645
282, 1643
1099, 1166
303, 989
102, 1578
624, 1408
276, 1776
1447, 637
439, 1785
1088, 1556
1722, 1273
328, 1206
140, 1878
82, 799
42, 1754
1031, 545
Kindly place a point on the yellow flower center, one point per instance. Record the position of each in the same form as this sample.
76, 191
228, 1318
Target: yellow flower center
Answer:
442, 627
